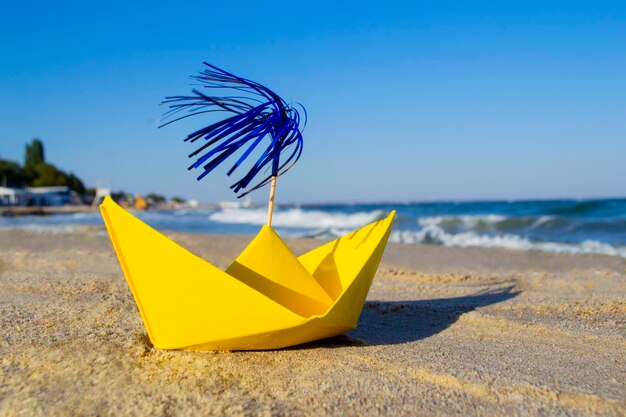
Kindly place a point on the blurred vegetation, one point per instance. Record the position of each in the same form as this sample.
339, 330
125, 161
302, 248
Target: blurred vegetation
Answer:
12, 174
154, 198
36, 172
34, 156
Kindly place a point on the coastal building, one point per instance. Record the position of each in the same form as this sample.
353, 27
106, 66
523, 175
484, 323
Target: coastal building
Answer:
14, 197
50, 196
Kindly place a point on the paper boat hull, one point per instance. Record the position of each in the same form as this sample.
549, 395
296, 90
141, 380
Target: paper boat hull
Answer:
187, 303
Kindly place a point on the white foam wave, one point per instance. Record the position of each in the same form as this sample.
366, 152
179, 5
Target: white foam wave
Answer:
466, 221
435, 235
542, 220
296, 217
485, 223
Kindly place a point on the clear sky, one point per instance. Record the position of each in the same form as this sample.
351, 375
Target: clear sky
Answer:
415, 100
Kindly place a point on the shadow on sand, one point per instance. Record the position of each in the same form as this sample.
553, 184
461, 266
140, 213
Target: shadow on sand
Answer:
394, 322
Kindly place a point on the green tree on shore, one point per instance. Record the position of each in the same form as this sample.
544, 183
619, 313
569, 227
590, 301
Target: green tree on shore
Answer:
36, 171
47, 175
12, 174
156, 198
34, 156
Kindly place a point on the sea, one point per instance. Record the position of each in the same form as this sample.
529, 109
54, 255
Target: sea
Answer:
566, 226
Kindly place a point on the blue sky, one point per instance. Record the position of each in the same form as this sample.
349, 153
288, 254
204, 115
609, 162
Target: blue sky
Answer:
407, 101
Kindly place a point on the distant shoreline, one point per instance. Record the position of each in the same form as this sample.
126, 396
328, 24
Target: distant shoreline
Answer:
10, 211
44, 210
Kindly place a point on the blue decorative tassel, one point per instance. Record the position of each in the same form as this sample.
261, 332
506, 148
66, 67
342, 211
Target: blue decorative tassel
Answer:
257, 113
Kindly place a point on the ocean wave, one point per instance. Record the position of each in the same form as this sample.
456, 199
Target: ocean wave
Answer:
298, 218
433, 231
517, 225
542, 220
466, 222
432, 234
579, 208
544, 225
497, 223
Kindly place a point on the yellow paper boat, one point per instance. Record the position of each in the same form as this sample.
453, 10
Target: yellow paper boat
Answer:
267, 299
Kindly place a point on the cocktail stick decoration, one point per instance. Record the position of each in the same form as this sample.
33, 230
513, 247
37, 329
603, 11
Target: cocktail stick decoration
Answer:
256, 121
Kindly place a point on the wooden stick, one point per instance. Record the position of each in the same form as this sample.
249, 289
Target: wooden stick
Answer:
270, 205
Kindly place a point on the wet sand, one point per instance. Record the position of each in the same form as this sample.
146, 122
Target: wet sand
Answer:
445, 331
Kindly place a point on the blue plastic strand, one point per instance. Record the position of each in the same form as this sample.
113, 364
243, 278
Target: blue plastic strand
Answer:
256, 113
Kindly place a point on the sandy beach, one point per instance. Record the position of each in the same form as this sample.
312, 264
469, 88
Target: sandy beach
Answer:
445, 331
